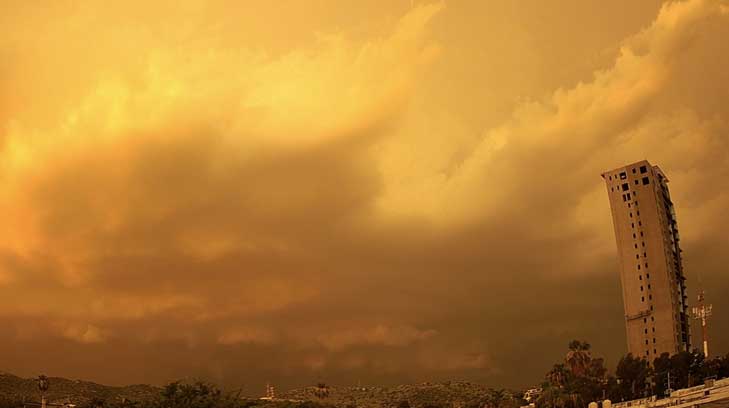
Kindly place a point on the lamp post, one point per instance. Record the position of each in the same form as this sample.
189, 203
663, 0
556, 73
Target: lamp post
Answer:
43, 387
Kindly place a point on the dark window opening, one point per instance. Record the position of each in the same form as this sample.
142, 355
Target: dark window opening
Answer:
625, 186
636, 182
623, 176
645, 181
643, 169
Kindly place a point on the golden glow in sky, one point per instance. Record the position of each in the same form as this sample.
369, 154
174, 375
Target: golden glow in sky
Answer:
330, 189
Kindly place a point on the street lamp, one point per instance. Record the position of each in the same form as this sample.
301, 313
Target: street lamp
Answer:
43, 387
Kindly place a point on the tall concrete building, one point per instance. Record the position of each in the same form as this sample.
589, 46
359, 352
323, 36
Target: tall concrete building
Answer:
651, 273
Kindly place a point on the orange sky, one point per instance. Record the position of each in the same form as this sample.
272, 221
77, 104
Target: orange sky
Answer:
382, 191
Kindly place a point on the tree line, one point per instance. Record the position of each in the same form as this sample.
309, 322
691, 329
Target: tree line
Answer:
582, 378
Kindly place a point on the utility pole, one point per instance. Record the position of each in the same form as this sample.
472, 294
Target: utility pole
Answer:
669, 390
703, 312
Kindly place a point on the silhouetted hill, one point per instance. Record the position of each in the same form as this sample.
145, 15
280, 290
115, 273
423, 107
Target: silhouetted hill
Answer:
61, 390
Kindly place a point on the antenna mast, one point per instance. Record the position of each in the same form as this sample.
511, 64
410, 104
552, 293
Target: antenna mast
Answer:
703, 312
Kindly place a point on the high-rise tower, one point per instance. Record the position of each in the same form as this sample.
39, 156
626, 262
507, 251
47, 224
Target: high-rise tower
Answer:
651, 272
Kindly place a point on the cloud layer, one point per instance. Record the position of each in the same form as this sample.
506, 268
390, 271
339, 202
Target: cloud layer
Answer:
177, 195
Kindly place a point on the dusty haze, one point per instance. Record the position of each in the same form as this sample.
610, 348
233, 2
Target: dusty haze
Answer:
382, 191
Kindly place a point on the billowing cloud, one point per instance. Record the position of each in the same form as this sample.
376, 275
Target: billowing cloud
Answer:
178, 194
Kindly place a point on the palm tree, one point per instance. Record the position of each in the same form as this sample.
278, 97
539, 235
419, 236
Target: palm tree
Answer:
579, 357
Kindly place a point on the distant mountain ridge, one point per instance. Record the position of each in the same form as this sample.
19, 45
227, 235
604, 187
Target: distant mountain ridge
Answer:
77, 391
423, 395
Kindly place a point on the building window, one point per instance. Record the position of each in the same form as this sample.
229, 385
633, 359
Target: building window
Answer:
636, 182
645, 331
640, 224
650, 297
623, 175
624, 199
634, 235
642, 298
634, 193
654, 351
636, 246
634, 171
611, 177
643, 169
643, 243
641, 288
646, 264
645, 255
641, 233
638, 267
612, 188
645, 320
645, 181
649, 286
636, 256
631, 215
647, 275
638, 213
640, 277
654, 340
653, 319
625, 186
646, 342
654, 330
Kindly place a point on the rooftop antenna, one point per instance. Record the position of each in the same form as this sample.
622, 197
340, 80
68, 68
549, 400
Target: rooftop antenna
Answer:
703, 312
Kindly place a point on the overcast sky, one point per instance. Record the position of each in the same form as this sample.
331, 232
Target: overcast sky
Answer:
381, 191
